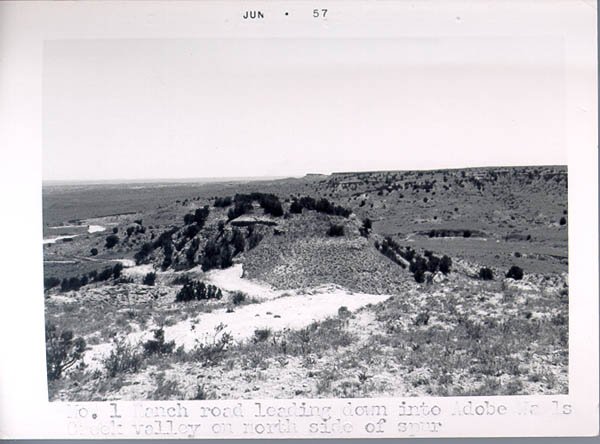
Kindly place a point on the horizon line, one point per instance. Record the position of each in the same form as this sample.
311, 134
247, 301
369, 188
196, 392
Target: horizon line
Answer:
260, 178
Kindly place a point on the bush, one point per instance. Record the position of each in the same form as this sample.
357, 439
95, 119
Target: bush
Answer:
223, 202
63, 351
238, 297
445, 264
419, 276
366, 227
295, 207
422, 318
195, 290
261, 334
143, 253
111, 241
105, 274
335, 230
486, 274
71, 284
94, 251
199, 216
150, 278
122, 359
51, 282
117, 269
562, 221
515, 273
158, 344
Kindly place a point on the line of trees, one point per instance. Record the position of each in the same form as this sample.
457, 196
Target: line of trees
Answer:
74, 283
321, 206
198, 291
243, 204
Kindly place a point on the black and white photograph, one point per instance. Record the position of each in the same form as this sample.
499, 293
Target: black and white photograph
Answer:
322, 283
299, 220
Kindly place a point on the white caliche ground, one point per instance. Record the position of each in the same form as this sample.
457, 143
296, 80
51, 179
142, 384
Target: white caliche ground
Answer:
276, 310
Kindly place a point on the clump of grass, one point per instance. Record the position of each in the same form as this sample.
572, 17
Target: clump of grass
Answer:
165, 389
238, 297
201, 393
123, 358
211, 352
158, 344
422, 318
261, 334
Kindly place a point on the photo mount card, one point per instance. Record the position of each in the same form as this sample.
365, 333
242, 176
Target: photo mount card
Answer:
298, 220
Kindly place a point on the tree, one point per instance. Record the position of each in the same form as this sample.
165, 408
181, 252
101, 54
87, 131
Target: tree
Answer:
111, 241
445, 264
486, 274
295, 207
515, 273
335, 230
51, 282
158, 344
94, 251
150, 278
116, 271
62, 351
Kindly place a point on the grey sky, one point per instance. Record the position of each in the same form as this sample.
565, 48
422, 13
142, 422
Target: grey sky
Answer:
136, 109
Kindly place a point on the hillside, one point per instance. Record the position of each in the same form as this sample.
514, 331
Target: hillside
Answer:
395, 269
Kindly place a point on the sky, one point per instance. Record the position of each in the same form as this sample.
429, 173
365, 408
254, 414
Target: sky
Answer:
168, 108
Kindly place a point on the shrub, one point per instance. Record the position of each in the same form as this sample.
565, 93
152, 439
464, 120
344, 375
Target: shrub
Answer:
486, 274
445, 264
366, 227
51, 282
238, 297
191, 230
419, 276
467, 233
122, 359
295, 207
116, 270
158, 344
195, 290
335, 230
562, 221
94, 251
515, 273
150, 278
261, 334
223, 201
70, 284
63, 351
111, 241
433, 263
422, 318
143, 253
104, 275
